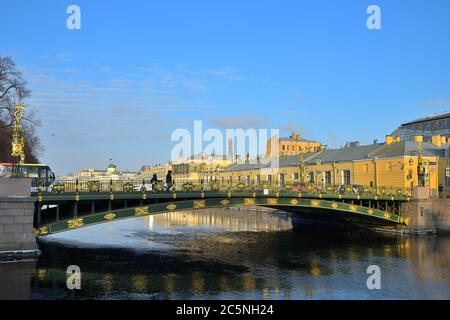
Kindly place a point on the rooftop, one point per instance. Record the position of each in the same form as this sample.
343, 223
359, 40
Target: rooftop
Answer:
351, 153
437, 116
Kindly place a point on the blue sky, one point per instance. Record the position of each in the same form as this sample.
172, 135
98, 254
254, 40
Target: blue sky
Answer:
137, 70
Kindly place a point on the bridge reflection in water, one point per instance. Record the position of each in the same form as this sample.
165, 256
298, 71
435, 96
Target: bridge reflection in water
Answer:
233, 220
231, 254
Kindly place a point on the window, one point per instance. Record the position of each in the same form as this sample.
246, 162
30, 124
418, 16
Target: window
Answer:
389, 167
269, 178
293, 148
258, 179
296, 176
327, 177
287, 147
283, 147
311, 174
281, 179
366, 168
347, 179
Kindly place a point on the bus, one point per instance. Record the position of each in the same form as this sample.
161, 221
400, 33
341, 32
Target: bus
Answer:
40, 174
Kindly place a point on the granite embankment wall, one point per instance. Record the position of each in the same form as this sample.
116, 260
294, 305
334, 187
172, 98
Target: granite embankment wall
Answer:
16, 219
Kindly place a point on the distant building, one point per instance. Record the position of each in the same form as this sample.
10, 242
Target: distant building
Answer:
110, 173
160, 170
292, 145
199, 167
434, 125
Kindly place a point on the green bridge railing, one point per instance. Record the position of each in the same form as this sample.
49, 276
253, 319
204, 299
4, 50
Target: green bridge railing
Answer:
93, 186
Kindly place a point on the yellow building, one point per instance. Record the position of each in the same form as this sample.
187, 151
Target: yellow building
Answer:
199, 167
393, 164
292, 145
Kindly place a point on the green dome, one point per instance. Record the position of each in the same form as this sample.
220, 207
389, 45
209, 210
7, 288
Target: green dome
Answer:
112, 166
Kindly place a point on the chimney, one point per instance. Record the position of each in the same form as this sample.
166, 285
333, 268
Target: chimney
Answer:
230, 148
389, 140
295, 136
436, 140
397, 139
418, 138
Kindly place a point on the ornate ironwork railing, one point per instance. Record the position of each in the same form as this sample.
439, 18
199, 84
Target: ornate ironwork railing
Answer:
74, 186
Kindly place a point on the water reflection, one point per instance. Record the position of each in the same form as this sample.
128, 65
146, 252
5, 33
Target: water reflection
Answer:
232, 219
233, 254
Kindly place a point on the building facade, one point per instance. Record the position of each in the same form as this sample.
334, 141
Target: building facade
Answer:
292, 145
393, 164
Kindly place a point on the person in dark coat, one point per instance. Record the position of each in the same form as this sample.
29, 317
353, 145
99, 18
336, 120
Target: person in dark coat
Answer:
154, 181
169, 180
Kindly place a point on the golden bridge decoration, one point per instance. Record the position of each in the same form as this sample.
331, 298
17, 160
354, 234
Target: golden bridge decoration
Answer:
294, 201
142, 211
43, 230
18, 141
370, 212
75, 223
249, 201
171, 206
111, 197
174, 195
109, 216
334, 205
198, 204
144, 196
315, 203
40, 198
387, 215
272, 201
36, 232
225, 202
353, 208
77, 197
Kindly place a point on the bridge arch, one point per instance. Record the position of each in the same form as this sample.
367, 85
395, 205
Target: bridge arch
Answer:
311, 208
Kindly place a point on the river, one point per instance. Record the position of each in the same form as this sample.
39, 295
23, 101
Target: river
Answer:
230, 254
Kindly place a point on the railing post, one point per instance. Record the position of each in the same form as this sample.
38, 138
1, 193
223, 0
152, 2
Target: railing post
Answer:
38, 214
57, 212
75, 209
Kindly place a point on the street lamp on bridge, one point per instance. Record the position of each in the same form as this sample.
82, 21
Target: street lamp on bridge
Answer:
18, 141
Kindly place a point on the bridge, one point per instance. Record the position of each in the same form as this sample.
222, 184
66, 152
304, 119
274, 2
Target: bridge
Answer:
77, 204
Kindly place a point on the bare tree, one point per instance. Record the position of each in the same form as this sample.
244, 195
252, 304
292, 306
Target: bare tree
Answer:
13, 88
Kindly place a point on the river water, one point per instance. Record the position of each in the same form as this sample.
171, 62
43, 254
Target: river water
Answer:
230, 254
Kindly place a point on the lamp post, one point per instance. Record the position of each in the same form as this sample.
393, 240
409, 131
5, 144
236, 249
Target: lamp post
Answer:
302, 165
420, 167
18, 141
